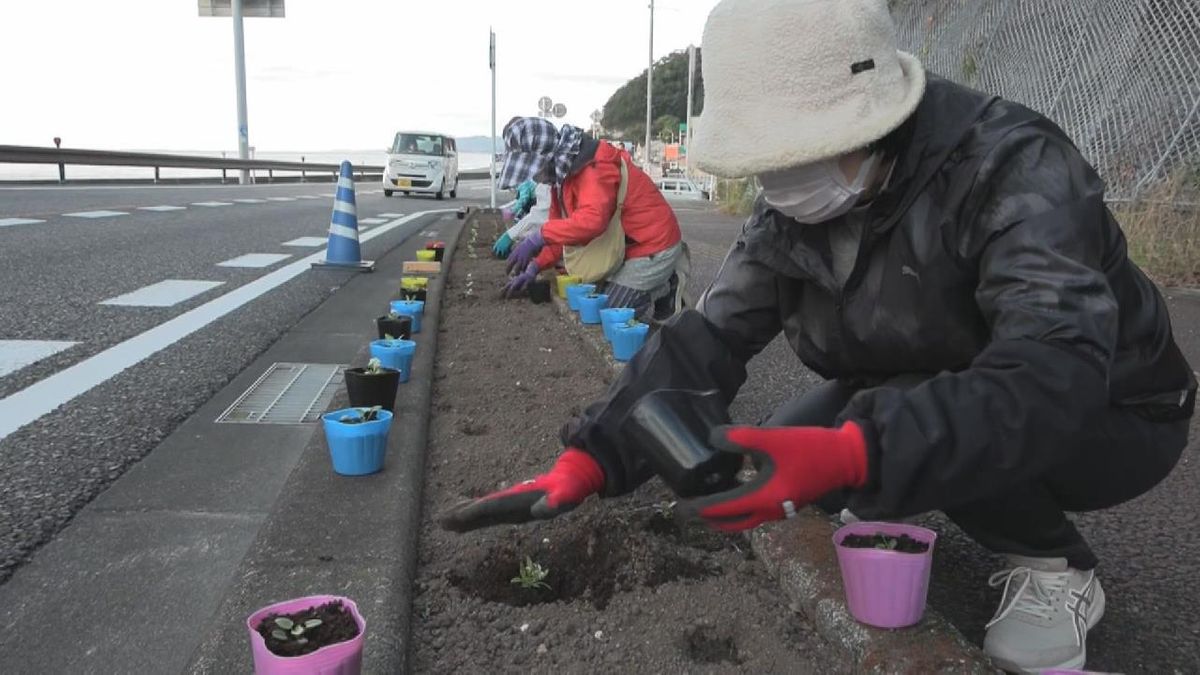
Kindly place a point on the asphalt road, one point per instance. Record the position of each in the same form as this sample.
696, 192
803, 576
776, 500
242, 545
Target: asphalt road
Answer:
1150, 555
55, 274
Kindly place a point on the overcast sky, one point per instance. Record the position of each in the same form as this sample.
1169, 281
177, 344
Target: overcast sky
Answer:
334, 74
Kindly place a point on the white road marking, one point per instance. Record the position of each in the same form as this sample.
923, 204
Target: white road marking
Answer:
5, 222
328, 194
16, 354
372, 221
32, 402
96, 214
363, 228
308, 197
391, 215
307, 242
281, 199
212, 204
250, 201
162, 208
255, 260
163, 294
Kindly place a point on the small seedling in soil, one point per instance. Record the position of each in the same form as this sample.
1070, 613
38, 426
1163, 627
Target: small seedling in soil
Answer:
304, 632
531, 576
665, 510
364, 415
883, 542
374, 367
632, 323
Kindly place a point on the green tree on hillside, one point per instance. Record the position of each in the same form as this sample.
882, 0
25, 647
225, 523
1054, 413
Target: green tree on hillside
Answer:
625, 112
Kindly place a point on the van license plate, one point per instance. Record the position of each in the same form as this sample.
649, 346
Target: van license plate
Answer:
403, 182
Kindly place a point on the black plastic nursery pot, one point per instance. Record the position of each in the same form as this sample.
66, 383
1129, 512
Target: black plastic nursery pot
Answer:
367, 390
539, 292
672, 426
399, 327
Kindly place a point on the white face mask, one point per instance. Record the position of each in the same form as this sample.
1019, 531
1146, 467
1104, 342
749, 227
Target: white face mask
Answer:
818, 192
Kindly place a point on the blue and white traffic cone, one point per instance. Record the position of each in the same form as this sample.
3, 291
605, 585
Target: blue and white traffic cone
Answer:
343, 250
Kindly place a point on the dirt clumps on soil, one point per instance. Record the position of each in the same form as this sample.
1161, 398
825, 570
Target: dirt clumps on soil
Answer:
628, 586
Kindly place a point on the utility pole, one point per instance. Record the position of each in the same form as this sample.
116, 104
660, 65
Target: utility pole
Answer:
691, 89
239, 65
492, 62
650, 88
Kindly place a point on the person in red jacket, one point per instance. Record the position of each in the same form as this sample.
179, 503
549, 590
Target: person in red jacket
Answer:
586, 175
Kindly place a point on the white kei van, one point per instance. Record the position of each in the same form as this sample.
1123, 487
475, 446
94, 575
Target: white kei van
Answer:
423, 163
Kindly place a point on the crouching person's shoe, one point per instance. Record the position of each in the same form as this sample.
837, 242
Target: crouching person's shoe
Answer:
1044, 617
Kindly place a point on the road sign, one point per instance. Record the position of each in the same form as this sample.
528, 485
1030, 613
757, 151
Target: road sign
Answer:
267, 8
560, 110
545, 104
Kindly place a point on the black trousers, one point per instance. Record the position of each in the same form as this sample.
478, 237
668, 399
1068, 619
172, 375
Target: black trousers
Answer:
1119, 457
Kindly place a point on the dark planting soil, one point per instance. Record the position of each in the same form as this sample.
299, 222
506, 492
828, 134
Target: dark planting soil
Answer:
902, 544
337, 625
631, 587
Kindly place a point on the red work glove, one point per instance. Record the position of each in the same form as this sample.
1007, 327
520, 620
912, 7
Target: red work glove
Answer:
796, 466
574, 478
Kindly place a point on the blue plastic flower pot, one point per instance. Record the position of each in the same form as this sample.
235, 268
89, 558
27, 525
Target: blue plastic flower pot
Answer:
395, 354
612, 317
628, 340
590, 306
356, 449
410, 308
576, 292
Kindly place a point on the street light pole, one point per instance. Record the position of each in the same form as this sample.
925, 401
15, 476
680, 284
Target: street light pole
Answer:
492, 61
691, 87
239, 64
650, 87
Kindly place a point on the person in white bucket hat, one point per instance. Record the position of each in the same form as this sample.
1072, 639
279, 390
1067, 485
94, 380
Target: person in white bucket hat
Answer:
945, 260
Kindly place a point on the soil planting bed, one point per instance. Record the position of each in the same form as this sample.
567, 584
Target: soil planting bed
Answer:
630, 587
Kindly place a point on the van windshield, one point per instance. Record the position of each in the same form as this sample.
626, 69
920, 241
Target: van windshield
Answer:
418, 144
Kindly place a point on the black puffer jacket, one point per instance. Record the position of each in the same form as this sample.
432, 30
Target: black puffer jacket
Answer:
990, 260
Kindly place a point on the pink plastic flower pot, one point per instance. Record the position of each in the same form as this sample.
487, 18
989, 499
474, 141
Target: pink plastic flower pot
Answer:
886, 589
343, 658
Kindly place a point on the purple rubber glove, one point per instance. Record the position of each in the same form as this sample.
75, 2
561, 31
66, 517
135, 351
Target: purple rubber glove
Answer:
525, 251
522, 280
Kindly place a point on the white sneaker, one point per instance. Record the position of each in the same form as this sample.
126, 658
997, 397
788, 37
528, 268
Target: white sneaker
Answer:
1044, 617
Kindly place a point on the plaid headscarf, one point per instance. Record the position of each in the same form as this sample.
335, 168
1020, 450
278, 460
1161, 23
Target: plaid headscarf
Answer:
531, 142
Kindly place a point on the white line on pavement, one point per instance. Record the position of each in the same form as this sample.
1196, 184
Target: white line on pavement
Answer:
281, 199
30, 403
371, 221
16, 354
255, 260
307, 197
391, 215
250, 201
162, 208
96, 214
6, 222
212, 204
307, 242
163, 294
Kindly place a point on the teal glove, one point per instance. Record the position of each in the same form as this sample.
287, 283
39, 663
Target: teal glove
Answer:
503, 246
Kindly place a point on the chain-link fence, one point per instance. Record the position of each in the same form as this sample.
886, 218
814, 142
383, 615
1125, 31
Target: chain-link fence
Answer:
1122, 77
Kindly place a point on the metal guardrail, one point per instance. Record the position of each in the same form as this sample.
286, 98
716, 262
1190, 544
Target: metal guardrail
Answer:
20, 154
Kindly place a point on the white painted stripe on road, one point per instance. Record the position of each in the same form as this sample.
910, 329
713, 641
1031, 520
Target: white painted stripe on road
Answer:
372, 221
255, 260
308, 197
343, 231
327, 194
16, 354
95, 214
281, 199
32, 402
6, 222
163, 294
212, 204
391, 215
162, 208
250, 201
307, 242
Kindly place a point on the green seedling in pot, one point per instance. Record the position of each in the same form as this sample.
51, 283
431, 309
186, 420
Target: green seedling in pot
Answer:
632, 323
886, 543
374, 367
287, 630
364, 415
531, 575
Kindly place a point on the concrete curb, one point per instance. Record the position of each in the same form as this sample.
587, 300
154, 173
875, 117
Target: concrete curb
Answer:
350, 536
800, 556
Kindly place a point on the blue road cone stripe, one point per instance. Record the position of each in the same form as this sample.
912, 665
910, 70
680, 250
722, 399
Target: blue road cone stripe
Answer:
343, 250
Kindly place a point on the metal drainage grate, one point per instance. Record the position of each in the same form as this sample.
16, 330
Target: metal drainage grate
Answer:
288, 393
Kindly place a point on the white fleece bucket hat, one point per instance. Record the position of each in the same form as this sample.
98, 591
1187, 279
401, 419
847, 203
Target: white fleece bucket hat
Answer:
791, 82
